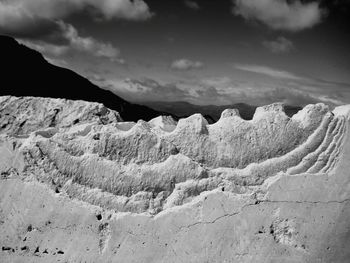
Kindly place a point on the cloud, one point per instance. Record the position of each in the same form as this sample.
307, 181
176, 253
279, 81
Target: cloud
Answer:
70, 40
280, 14
57, 62
185, 64
22, 11
332, 93
293, 89
275, 73
148, 90
206, 93
192, 4
144, 89
216, 81
38, 18
226, 91
279, 46
39, 23
287, 96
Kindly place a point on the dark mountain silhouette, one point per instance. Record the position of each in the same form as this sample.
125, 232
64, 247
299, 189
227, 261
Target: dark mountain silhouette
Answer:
211, 112
25, 72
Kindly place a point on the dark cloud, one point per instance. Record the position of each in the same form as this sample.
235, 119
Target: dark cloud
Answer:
40, 28
186, 64
168, 91
40, 23
210, 93
279, 46
192, 4
67, 39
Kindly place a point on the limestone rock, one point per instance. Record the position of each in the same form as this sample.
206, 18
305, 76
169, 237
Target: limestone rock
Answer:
23, 115
272, 189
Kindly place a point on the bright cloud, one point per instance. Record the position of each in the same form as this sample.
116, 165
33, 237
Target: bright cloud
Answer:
22, 10
280, 14
279, 74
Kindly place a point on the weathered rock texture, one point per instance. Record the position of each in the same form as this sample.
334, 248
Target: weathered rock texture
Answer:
79, 185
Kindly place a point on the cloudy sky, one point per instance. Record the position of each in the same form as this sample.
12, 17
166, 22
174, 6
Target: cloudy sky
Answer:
200, 51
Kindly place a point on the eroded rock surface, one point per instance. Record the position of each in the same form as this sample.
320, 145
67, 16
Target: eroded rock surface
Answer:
272, 189
20, 116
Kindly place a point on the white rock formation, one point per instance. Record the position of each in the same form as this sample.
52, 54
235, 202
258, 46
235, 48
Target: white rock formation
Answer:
79, 185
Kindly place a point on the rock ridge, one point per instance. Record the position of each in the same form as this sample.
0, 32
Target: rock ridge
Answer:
82, 155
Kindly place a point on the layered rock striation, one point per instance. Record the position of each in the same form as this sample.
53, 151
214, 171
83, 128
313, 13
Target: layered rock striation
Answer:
80, 185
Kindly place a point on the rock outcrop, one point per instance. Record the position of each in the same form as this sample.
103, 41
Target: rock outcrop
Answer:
80, 185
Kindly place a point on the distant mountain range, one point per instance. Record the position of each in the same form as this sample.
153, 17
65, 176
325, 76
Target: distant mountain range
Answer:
25, 72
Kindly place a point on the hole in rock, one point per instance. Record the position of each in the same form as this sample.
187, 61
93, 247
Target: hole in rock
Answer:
30, 228
102, 227
25, 248
22, 124
261, 230
7, 249
96, 137
99, 217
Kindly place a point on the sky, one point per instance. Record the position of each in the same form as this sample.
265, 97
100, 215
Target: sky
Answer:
216, 52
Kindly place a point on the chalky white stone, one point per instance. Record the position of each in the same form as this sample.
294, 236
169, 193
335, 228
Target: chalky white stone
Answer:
80, 185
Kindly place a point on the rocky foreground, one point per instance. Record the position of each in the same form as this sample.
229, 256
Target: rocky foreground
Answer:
80, 185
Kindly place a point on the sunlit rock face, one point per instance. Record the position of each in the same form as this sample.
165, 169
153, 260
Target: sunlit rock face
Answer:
80, 185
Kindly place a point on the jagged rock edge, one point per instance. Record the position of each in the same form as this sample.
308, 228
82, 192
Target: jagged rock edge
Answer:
330, 166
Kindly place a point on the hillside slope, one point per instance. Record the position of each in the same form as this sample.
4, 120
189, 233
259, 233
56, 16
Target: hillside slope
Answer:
25, 72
